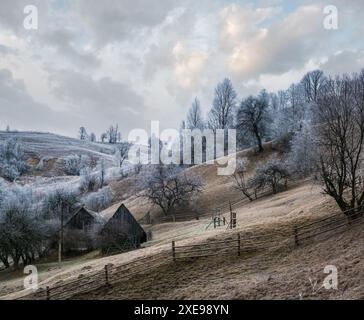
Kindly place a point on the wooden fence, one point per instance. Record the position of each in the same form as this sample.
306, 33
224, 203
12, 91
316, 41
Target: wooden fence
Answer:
244, 243
235, 244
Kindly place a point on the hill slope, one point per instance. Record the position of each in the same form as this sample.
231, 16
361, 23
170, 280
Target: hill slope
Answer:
54, 147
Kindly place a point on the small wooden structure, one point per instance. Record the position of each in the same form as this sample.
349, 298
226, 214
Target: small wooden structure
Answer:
81, 231
120, 230
232, 224
84, 219
217, 219
114, 229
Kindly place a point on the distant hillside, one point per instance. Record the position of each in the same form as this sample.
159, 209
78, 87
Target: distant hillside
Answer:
53, 148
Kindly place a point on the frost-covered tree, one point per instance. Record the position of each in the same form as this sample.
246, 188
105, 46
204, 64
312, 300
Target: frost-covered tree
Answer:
102, 171
221, 115
89, 180
121, 153
302, 158
100, 200
93, 137
82, 133
75, 163
12, 159
103, 137
24, 233
113, 134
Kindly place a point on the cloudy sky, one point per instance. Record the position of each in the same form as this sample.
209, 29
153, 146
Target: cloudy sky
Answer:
93, 63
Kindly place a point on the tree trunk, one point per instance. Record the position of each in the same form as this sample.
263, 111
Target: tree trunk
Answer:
259, 141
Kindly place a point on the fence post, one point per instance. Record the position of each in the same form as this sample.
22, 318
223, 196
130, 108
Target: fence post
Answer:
48, 293
239, 242
174, 250
296, 242
106, 275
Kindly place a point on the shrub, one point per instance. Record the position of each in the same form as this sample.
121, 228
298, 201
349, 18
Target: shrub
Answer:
273, 175
12, 160
99, 200
75, 163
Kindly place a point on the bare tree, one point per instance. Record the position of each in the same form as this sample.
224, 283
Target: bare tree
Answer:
340, 139
194, 116
273, 175
221, 115
121, 153
252, 118
241, 182
312, 83
113, 134
168, 187
102, 171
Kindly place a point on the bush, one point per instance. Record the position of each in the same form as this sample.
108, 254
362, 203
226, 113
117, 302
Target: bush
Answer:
273, 175
12, 160
99, 200
89, 181
75, 163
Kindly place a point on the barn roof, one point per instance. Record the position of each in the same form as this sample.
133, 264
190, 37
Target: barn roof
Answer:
108, 213
95, 215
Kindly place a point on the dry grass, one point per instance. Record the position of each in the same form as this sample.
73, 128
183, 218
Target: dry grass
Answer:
273, 274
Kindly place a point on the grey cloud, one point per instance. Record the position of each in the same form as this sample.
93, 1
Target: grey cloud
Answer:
19, 109
66, 43
119, 20
101, 101
344, 62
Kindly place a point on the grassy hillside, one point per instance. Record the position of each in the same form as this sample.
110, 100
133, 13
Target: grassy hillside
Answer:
54, 147
282, 273
261, 274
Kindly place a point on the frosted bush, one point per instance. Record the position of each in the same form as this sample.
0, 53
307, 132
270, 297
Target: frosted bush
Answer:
99, 200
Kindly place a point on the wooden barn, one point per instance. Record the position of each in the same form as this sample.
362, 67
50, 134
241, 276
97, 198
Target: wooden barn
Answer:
84, 219
81, 231
120, 230
114, 229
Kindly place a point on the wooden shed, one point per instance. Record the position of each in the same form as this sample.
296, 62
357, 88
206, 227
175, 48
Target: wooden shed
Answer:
81, 231
84, 219
120, 230
114, 229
